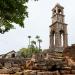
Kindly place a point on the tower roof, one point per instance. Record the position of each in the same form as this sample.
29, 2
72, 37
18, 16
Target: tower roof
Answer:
58, 5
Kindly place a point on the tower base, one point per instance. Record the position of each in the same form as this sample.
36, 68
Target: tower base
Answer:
57, 49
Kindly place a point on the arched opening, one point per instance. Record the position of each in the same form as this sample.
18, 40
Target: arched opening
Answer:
54, 12
59, 11
13, 55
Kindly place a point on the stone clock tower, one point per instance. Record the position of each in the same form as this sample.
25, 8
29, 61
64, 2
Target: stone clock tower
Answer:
58, 29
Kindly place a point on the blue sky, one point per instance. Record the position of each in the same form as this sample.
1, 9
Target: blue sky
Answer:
38, 24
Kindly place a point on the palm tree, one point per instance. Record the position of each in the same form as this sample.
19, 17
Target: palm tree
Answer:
33, 46
37, 37
39, 40
33, 42
29, 41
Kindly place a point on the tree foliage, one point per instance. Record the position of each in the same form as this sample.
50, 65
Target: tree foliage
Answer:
28, 52
12, 11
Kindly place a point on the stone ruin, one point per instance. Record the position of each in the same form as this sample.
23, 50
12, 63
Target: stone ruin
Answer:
53, 61
50, 64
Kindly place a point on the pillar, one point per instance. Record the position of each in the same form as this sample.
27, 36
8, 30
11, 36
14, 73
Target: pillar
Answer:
65, 41
52, 40
57, 40
65, 37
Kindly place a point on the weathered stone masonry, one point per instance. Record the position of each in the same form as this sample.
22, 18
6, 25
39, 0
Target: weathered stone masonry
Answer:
58, 29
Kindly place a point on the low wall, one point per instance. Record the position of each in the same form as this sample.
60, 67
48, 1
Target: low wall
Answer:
13, 60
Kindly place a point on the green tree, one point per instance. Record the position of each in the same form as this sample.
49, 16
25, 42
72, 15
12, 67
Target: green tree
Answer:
24, 52
12, 11
28, 52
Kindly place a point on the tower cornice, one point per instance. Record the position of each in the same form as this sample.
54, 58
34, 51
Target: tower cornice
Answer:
57, 22
58, 14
